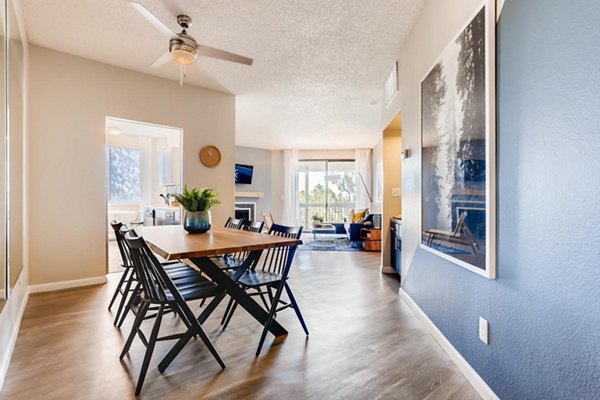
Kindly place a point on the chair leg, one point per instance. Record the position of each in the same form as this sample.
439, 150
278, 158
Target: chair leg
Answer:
198, 330
149, 350
186, 314
270, 317
264, 300
119, 285
124, 297
227, 309
132, 298
134, 329
296, 308
233, 307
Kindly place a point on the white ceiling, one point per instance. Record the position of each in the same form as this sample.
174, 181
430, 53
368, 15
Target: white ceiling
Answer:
319, 66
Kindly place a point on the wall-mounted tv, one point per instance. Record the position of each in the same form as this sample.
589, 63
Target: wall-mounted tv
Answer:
243, 173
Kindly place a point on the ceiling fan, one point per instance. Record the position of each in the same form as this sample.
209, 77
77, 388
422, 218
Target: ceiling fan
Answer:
183, 48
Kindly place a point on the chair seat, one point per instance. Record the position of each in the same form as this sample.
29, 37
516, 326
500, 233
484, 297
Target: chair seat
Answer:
194, 288
259, 278
182, 271
227, 262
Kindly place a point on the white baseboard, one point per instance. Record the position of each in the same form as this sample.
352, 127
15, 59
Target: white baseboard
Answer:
54, 286
472, 376
10, 319
385, 269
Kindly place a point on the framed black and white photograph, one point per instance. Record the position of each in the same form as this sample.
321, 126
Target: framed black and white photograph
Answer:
458, 145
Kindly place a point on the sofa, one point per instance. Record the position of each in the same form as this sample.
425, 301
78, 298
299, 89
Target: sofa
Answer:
353, 230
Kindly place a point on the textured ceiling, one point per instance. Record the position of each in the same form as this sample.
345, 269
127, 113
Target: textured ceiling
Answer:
319, 66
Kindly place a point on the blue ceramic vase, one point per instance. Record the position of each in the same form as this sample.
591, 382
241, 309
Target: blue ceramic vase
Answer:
197, 221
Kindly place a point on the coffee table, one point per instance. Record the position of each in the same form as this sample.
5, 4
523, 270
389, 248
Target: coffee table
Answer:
323, 229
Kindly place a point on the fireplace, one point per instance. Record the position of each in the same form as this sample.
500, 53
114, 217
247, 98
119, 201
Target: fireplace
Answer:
245, 211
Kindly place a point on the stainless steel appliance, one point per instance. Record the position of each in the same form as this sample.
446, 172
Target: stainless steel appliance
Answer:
396, 243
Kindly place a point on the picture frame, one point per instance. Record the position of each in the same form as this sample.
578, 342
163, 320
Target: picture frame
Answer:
458, 148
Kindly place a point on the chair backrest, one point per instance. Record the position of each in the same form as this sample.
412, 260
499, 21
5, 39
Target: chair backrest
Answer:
252, 226
155, 282
268, 218
279, 259
120, 230
233, 223
459, 224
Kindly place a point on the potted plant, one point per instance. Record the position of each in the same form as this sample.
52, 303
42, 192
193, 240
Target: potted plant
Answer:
317, 220
197, 204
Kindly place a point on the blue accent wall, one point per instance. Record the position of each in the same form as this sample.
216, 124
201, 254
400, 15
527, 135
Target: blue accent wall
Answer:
544, 306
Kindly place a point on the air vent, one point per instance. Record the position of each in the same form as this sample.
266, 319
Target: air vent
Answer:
391, 86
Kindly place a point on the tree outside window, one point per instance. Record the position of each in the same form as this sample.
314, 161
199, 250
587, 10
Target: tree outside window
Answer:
124, 184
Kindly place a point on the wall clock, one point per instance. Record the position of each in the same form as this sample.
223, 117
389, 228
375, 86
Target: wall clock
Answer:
210, 156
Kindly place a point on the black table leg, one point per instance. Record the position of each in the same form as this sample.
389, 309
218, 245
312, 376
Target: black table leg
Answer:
231, 287
238, 294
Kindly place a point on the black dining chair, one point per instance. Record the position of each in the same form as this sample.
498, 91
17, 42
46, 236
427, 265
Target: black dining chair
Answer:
233, 223
128, 284
158, 290
252, 226
231, 261
271, 280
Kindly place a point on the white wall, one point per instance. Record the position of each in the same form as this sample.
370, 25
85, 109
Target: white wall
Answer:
70, 98
261, 179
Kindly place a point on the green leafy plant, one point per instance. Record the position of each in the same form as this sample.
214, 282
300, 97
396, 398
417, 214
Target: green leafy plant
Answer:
197, 199
317, 218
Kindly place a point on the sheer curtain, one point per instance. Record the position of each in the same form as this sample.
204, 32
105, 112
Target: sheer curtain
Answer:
291, 208
362, 167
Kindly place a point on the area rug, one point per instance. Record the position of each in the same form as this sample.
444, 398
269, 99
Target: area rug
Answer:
327, 243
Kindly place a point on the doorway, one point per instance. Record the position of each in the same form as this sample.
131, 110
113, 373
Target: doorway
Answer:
392, 196
143, 170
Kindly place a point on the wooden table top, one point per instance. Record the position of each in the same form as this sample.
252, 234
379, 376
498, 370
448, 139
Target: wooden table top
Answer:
172, 242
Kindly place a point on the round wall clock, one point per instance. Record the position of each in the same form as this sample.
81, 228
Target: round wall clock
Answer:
210, 156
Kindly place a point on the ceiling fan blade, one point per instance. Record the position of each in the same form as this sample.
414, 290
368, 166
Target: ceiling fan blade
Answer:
211, 52
153, 19
162, 60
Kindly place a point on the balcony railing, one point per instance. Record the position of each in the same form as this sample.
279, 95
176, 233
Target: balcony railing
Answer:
332, 212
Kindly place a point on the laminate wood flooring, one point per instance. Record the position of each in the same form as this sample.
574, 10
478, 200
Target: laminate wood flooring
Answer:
365, 343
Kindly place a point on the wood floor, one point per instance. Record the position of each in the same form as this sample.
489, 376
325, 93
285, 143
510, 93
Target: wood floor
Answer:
365, 344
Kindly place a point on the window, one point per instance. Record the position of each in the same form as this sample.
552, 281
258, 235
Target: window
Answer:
327, 190
124, 181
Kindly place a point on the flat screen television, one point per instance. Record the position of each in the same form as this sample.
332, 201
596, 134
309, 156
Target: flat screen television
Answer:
243, 173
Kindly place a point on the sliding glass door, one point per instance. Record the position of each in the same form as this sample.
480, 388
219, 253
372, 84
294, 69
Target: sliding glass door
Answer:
327, 190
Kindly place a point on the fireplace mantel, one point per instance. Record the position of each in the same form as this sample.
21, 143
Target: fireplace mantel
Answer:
250, 194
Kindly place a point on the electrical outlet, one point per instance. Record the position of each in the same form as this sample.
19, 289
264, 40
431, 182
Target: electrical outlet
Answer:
396, 192
483, 330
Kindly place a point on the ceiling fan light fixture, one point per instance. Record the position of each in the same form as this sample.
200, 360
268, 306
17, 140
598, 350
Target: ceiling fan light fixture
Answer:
183, 53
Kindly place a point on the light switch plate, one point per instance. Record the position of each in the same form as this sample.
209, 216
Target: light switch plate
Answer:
396, 192
483, 330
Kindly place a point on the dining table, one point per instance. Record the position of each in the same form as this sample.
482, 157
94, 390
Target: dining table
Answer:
172, 242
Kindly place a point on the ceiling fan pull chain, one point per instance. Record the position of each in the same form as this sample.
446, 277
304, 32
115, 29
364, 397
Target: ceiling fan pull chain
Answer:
181, 75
